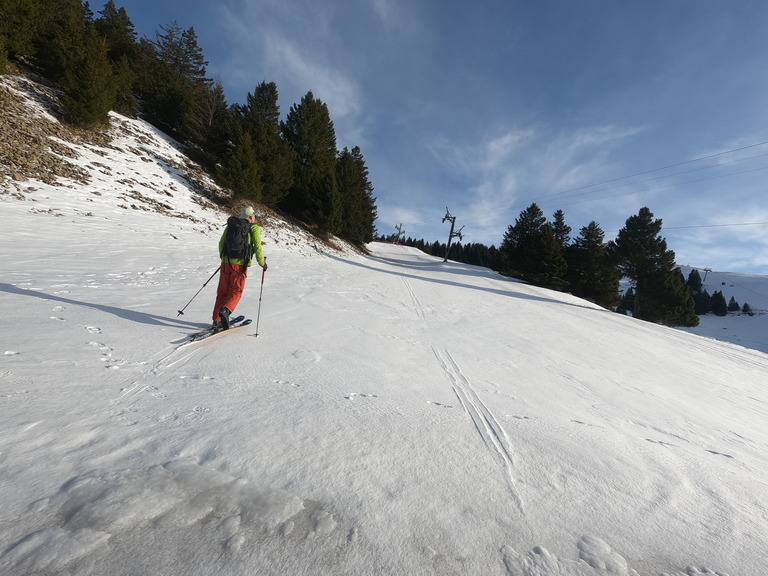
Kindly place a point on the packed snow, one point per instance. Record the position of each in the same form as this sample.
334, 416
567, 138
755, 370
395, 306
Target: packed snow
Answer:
393, 414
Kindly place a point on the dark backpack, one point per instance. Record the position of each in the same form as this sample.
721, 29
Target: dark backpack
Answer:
236, 242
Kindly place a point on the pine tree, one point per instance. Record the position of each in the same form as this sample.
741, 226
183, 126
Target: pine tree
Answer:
215, 119
694, 281
116, 28
561, 229
733, 306
719, 307
703, 302
591, 274
531, 251
90, 85
549, 265
20, 25
125, 102
357, 201
260, 117
314, 194
173, 85
518, 243
60, 44
701, 298
667, 300
641, 255
242, 171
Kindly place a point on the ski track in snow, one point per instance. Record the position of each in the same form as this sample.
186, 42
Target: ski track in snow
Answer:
489, 428
416, 303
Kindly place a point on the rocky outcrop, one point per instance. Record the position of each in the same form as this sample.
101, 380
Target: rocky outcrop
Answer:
38, 146
35, 147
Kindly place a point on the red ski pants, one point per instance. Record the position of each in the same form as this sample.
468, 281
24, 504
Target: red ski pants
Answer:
231, 286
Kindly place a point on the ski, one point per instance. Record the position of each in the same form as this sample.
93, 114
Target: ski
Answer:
232, 328
236, 322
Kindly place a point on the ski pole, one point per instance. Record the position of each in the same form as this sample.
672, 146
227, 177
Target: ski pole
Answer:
181, 312
261, 290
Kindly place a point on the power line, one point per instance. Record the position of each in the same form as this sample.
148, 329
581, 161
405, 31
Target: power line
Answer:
716, 225
699, 159
582, 189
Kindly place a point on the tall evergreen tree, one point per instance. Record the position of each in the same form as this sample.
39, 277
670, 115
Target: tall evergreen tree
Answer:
719, 307
242, 171
561, 229
357, 201
60, 39
20, 25
116, 28
694, 282
89, 86
517, 245
591, 273
260, 117
641, 254
216, 125
531, 251
314, 194
71, 53
701, 298
549, 267
667, 300
173, 83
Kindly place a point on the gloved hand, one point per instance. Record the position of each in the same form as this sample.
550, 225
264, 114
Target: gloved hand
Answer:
265, 266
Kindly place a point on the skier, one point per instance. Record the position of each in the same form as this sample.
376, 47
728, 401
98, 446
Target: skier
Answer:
239, 244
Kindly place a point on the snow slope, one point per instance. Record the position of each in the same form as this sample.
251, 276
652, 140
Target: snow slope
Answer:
394, 415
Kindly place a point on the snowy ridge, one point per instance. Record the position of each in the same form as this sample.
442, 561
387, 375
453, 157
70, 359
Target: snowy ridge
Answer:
396, 414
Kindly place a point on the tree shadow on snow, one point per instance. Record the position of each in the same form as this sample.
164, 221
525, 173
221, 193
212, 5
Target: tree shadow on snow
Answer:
459, 270
132, 315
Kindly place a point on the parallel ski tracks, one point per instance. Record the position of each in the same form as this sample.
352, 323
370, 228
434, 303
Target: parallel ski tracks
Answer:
416, 303
491, 432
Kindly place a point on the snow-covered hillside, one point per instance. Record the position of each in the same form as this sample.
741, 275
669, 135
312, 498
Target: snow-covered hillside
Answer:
395, 415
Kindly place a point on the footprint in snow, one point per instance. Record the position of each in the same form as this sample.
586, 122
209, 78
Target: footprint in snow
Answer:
439, 404
307, 355
285, 383
353, 395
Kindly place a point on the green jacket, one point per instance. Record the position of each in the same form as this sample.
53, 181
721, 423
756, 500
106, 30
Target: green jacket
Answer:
254, 239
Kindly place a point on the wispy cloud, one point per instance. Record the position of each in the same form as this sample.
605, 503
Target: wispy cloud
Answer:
293, 47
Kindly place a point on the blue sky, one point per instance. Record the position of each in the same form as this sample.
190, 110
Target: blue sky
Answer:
595, 107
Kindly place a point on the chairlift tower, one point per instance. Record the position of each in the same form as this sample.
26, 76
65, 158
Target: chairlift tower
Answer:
452, 234
400, 231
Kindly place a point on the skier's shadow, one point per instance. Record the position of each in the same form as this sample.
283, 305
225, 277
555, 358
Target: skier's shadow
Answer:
132, 315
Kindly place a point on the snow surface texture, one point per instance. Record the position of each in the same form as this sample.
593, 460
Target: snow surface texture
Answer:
395, 415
